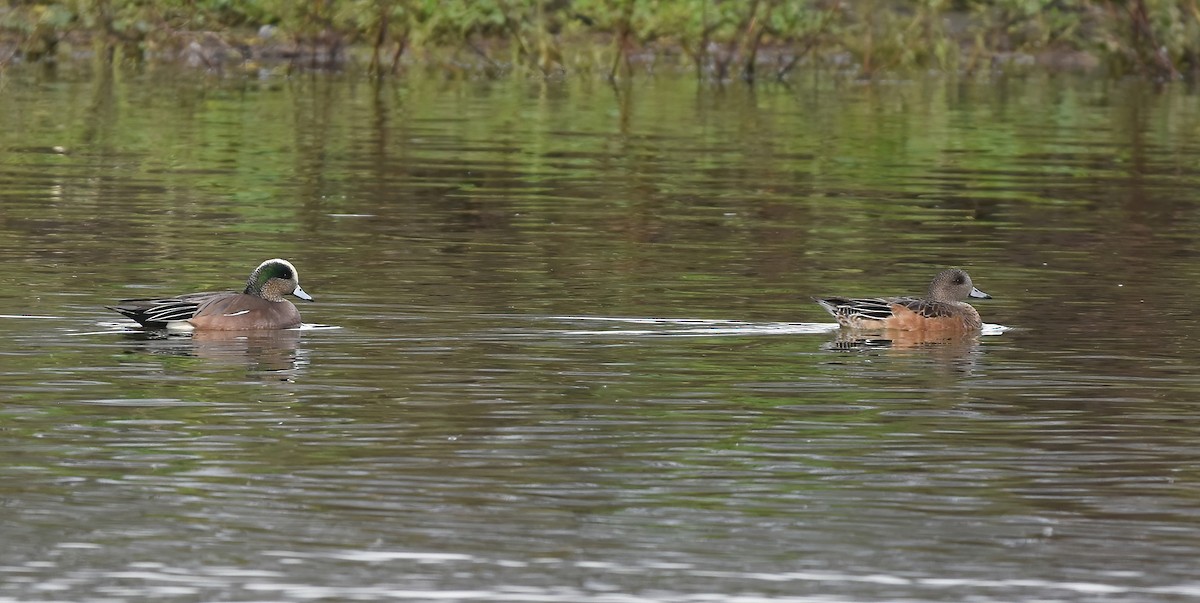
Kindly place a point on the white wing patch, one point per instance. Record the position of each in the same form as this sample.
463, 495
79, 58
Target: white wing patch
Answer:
238, 313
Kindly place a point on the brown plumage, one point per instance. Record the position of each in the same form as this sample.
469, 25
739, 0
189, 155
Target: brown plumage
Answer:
942, 309
259, 306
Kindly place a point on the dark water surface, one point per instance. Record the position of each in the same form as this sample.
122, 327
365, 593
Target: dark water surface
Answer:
565, 350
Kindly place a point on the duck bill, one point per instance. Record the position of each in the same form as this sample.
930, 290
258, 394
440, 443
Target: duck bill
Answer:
974, 293
301, 294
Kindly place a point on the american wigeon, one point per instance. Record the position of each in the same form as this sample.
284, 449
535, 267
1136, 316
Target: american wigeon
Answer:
942, 309
259, 306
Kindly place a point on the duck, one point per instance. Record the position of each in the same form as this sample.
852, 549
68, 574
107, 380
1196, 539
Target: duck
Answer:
942, 308
259, 306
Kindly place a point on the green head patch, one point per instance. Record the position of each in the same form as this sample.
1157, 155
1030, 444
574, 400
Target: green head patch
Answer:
280, 269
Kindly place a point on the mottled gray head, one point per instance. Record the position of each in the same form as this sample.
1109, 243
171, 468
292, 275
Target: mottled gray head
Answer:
954, 285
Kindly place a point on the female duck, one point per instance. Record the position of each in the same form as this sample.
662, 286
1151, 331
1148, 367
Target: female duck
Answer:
942, 309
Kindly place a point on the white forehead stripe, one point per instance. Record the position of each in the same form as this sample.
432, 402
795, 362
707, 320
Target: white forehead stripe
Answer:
295, 273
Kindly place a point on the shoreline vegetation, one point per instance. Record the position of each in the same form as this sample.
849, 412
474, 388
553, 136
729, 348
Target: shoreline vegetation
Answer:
716, 39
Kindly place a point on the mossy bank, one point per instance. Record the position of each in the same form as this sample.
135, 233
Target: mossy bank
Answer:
748, 39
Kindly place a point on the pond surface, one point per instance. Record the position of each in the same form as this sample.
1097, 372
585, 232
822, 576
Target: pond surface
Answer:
563, 347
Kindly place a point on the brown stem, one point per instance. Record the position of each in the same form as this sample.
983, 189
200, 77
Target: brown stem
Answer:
621, 40
380, 38
400, 46
1145, 44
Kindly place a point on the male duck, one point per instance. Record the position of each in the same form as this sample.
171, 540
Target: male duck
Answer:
940, 310
259, 306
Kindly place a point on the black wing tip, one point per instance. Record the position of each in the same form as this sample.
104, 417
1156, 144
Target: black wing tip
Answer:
831, 300
123, 310
153, 313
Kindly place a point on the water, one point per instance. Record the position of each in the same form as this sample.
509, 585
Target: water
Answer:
563, 348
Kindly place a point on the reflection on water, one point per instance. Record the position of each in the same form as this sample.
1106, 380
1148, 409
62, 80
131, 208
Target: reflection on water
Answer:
904, 340
891, 338
575, 357
259, 351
